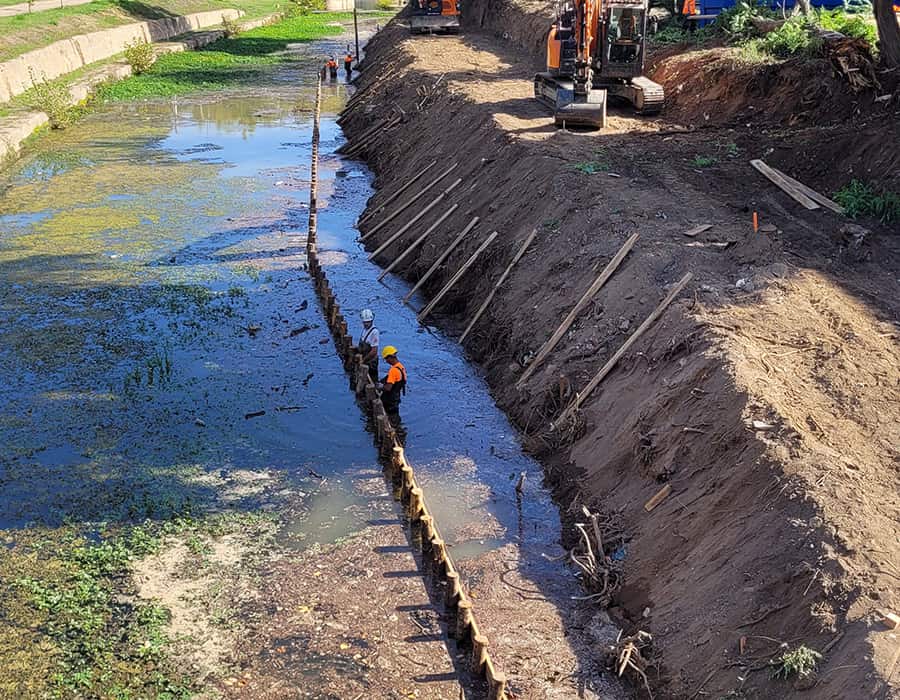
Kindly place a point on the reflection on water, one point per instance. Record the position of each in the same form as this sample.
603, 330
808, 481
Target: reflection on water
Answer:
155, 304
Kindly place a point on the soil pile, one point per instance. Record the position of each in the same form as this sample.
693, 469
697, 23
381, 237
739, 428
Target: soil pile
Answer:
765, 397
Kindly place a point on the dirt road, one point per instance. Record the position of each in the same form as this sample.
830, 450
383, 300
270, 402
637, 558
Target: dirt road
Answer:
777, 535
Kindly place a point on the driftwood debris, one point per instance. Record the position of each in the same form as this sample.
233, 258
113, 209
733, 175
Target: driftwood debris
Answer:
416, 243
697, 230
490, 296
412, 222
440, 261
409, 202
608, 271
453, 280
607, 368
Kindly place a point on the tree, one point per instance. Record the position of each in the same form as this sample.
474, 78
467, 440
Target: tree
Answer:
888, 32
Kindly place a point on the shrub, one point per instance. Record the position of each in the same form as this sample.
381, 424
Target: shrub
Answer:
791, 39
386, 5
53, 99
305, 7
855, 25
802, 661
231, 27
860, 199
140, 56
737, 20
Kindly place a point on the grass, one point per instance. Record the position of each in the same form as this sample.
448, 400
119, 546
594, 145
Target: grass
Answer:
227, 62
22, 33
800, 662
861, 199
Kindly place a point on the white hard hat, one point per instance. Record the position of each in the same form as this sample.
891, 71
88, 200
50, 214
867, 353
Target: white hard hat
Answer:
367, 315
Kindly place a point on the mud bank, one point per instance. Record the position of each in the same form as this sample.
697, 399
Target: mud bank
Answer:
776, 535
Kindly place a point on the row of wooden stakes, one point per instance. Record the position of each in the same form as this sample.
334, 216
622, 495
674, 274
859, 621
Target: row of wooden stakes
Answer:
425, 536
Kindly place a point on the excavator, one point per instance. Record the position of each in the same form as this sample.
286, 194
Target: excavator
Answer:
596, 49
429, 16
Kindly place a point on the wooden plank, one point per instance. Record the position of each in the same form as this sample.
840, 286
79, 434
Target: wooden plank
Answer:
409, 202
608, 271
490, 296
601, 374
416, 243
658, 498
812, 194
453, 280
362, 144
412, 222
443, 256
364, 135
785, 186
393, 197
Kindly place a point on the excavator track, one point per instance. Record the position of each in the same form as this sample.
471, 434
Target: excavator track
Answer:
652, 96
642, 93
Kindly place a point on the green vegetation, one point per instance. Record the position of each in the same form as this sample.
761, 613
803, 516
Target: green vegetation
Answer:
305, 7
861, 199
591, 167
75, 627
140, 56
52, 98
28, 31
801, 662
69, 589
226, 62
704, 161
794, 36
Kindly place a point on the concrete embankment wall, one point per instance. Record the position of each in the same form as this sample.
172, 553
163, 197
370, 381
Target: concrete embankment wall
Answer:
17, 75
14, 130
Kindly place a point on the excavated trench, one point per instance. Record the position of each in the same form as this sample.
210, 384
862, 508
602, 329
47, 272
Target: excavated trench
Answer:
753, 408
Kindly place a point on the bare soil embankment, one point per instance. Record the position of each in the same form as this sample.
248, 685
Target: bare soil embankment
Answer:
771, 538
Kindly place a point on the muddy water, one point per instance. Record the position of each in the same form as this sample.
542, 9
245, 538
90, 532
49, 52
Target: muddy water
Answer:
161, 350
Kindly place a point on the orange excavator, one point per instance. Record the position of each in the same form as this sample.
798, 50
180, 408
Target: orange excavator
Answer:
428, 16
596, 49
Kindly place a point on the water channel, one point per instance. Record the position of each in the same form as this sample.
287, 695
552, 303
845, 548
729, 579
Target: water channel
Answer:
154, 301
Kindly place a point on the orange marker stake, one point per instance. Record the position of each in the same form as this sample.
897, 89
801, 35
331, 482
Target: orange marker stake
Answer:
755, 223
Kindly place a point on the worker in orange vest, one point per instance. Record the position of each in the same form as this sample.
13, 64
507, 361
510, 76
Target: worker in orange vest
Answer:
393, 386
348, 65
332, 68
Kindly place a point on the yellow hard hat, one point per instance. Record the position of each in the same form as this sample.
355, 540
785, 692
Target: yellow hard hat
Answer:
388, 351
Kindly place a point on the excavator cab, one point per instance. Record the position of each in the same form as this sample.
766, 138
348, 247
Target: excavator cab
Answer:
623, 42
429, 16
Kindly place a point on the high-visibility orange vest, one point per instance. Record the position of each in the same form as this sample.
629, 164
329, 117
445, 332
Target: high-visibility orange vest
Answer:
689, 8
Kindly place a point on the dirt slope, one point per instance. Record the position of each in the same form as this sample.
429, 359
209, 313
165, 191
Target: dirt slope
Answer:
781, 536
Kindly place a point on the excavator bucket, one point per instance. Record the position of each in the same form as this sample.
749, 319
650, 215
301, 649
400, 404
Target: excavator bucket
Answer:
568, 108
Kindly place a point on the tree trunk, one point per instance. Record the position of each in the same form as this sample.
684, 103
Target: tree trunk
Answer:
888, 32
801, 7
